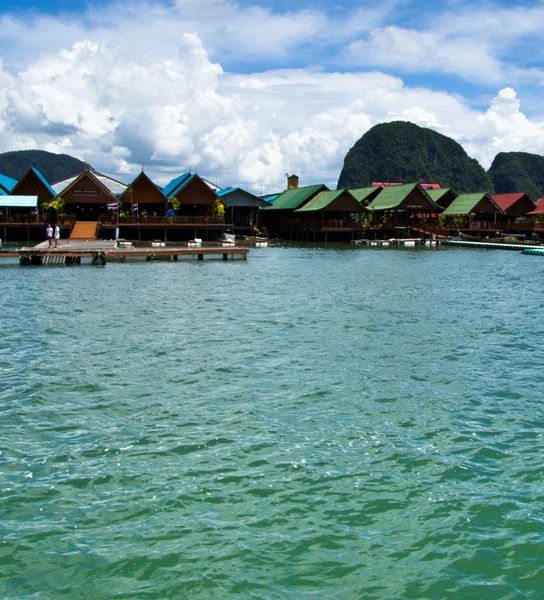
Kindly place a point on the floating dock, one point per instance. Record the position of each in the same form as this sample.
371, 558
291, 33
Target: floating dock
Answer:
492, 245
407, 242
539, 251
100, 252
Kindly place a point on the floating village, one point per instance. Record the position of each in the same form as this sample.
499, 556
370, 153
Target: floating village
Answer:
101, 219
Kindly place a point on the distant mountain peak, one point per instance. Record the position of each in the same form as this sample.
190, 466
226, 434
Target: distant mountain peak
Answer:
518, 172
403, 152
53, 167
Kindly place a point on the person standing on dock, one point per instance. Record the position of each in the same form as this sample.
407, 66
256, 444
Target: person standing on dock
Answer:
57, 235
49, 234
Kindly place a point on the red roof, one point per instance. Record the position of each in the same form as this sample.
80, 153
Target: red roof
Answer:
505, 201
425, 186
539, 210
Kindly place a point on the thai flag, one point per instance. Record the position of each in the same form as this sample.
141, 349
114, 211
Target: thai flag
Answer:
112, 205
134, 207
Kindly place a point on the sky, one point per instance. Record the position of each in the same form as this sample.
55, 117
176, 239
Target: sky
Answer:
249, 91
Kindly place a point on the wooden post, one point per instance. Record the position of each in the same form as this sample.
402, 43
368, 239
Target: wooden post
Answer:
201, 257
225, 256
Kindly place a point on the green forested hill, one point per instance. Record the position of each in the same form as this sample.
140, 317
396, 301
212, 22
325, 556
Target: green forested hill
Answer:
53, 167
404, 152
518, 172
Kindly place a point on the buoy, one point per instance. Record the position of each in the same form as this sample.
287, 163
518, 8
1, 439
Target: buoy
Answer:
99, 259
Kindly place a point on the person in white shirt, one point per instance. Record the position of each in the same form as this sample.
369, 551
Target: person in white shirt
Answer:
57, 235
49, 235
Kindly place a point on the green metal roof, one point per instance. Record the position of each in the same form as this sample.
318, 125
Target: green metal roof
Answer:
392, 196
321, 201
437, 194
361, 194
293, 199
467, 203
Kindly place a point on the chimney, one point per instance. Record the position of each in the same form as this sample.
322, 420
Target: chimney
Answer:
292, 182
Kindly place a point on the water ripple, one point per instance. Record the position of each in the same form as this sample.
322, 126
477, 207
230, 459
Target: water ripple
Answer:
311, 423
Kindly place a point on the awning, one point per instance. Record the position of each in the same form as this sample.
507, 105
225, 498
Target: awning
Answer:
18, 201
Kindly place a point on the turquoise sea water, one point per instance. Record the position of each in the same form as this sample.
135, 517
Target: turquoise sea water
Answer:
312, 423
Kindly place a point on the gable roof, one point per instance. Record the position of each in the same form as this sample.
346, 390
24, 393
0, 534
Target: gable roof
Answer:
293, 199
392, 196
170, 189
40, 177
141, 175
366, 193
111, 186
114, 187
211, 185
241, 198
228, 190
325, 199
467, 203
43, 180
539, 210
506, 201
7, 183
440, 196
270, 197
436, 194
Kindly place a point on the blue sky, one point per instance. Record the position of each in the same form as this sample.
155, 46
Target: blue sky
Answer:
250, 90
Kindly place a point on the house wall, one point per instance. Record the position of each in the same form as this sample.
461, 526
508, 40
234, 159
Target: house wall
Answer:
417, 200
31, 185
85, 191
144, 192
196, 192
521, 207
344, 203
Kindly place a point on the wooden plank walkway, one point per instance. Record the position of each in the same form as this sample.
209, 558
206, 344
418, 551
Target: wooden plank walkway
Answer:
72, 251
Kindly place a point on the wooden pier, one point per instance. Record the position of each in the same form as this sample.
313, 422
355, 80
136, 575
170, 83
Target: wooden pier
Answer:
100, 252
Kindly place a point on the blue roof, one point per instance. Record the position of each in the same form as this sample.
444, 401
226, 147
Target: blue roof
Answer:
3, 192
44, 181
270, 198
226, 191
177, 184
7, 183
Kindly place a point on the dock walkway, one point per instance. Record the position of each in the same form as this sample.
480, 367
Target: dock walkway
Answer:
101, 251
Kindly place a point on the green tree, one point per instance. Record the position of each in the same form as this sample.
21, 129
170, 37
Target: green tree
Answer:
174, 203
218, 209
56, 205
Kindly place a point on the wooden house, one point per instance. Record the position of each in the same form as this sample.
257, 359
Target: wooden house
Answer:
479, 210
33, 183
242, 208
88, 194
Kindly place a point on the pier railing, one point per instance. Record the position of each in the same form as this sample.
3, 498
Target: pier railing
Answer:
522, 226
161, 220
41, 219
318, 224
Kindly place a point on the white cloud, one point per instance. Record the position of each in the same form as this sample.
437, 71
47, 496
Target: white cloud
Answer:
504, 128
162, 101
426, 52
